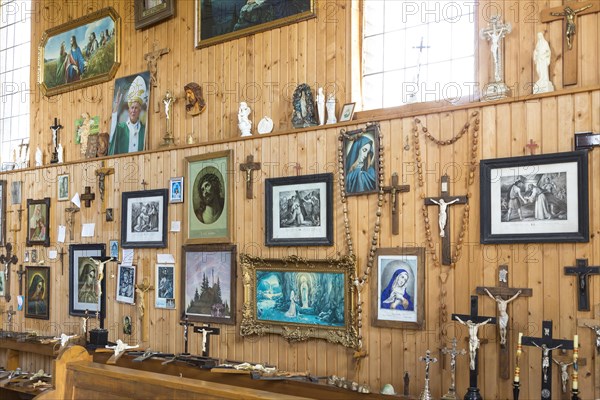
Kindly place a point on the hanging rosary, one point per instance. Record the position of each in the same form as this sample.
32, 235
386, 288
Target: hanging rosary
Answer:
360, 282
425, 213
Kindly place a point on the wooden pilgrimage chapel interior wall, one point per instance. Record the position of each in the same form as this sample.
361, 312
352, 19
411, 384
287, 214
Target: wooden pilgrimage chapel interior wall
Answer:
263, 70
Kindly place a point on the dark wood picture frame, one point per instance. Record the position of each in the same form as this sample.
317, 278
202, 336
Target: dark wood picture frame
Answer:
2, 213
40, 234
553, 202
37, 293
216, 263
308, 198
78, 267
405, 267
146, 17
361, 176
147, 230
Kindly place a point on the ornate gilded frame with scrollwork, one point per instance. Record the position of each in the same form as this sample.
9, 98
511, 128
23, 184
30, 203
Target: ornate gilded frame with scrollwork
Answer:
322, 287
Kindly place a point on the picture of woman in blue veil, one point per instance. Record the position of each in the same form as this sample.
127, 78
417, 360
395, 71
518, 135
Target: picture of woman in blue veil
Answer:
395, 295
361, 175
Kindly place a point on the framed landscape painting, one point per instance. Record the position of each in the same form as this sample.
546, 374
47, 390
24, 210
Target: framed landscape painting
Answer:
535, 199
144, 218
222, 20
80, 53
299, 210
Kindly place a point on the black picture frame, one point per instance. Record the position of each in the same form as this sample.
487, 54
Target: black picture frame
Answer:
78, 253
553, 206
288, 199
39, 234
146, 17
361, 176
218, 264
146, 232
37, 294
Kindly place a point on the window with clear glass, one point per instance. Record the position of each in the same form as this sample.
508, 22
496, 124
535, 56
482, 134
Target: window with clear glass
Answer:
417, 51
15, 57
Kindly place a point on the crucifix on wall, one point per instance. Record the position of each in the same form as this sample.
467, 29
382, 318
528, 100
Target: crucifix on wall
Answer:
248, 167
583, 272
152, 60
443, 202
592, 325
141, 301
102, 173
569, 12
8, 259
394, 189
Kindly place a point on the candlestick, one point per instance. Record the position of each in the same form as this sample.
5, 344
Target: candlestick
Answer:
576, 341
520, 338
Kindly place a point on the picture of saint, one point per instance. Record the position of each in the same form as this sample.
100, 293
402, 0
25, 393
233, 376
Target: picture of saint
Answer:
165, 283
37, 293
209, 195
176, 191
86, 292
359, 166
63, 187
144, 216
126, 275
397, 285
37, 222
300, 208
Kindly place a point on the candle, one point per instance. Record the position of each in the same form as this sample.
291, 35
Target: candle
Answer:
520, 337
574, 385
575, 341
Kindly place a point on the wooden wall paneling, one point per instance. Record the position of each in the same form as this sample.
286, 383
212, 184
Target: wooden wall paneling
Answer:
587, 35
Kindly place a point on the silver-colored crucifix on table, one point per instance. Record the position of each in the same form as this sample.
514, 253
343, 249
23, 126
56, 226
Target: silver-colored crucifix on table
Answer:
451, 395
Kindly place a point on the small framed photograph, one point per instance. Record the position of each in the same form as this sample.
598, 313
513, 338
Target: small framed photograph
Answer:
37, 296
38, 222
15, 192
113, 249
361, 160
176, 190
208, 282
299, 210
63, 187
126, 284
398, 290
144, 219
347, 112
535, 199
165, 282
151, 12
82, 280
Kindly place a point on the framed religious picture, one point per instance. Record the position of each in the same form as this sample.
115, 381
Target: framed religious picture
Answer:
129, 118
347, 112
2, 213
151, 12
37, 294
398, 290
113, 249
299, 210
80, 53
208, 282
63, 187
2, 284
15, 192
83, 280
176, 190
535, 199
144, 216
219, 21
165, 282
300, 299
38, 222
126, 284
209, 182
361, 160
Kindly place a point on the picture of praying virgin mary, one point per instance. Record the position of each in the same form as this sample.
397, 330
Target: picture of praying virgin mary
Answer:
360, 162
396, 294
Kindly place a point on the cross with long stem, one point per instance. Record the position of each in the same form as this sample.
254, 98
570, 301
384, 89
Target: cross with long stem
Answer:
7, 260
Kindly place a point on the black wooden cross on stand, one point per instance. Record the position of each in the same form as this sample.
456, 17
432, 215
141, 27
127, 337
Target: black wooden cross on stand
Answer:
394, 189
583, 273
206, 332
186, 325
21, 272
504, 292
248, 167
546, 343
88, 196
8, 259
470, 320
443, 214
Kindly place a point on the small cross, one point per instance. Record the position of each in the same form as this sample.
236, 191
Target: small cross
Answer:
88, 196
453, 353
70, 211
102, 173
21, 272
144, 183
62, 259
248, 167
583, 272
531, 146
298, 168
393, 189
428, 360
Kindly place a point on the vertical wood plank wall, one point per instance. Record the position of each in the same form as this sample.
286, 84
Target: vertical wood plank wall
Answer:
263, 70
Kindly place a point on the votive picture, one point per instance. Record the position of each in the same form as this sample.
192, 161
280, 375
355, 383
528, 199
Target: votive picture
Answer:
537, 197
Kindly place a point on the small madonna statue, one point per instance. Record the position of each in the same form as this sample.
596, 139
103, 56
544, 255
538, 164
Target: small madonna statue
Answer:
331, 119
244, 122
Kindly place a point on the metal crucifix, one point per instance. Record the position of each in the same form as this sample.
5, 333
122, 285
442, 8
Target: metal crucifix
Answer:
8, 259
394, 189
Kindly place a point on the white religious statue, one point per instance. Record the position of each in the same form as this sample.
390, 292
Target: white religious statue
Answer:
564, 373
331, 119
244, 122
443, 216
541, 56
304, 292
321, 105
545, 357
59, 152
503, 315
38, 157
473, 339
204, 336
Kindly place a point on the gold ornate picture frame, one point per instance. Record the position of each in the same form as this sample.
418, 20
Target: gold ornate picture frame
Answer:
300, 299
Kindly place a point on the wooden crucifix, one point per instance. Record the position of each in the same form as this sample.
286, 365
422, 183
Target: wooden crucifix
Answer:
593, 324
569, 12
502, 295
546, 343
531, 146
443, 202
144, 183
583, 272
21, 272
248, 167
473, 321
8, 259
88, 196
394, 189
141, 290
102, 173
70, 214
152, 60
186, 333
